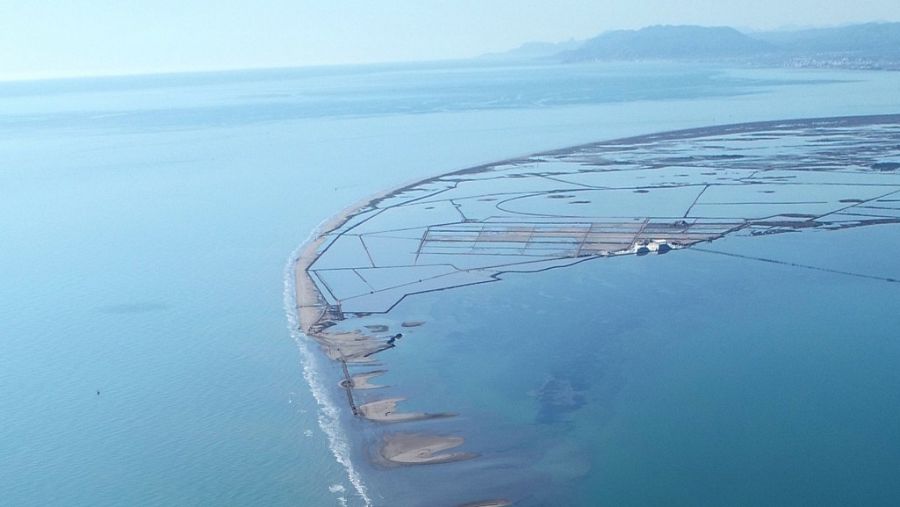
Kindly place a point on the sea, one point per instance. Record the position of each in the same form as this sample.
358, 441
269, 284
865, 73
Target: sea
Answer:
148, 354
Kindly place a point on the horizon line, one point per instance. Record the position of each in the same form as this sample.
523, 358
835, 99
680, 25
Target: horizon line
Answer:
32, 78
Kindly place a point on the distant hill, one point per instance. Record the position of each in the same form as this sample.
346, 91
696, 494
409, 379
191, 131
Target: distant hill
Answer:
874, 40
669, 43
536, 50
864, 46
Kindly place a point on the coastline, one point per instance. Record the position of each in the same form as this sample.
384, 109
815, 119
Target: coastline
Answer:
315, 316
319, 318
328, 419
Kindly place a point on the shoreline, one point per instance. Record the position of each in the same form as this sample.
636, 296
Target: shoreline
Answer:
316, 316
357, 347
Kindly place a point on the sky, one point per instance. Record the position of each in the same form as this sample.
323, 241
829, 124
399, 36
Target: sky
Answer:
54, 38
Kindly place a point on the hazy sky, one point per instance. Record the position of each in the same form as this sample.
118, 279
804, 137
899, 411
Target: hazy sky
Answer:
77, 37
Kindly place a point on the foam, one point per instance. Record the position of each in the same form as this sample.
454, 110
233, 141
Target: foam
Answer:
328, 412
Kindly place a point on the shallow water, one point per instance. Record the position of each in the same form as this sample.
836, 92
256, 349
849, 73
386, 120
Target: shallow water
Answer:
145, 223
684, 396
541, 372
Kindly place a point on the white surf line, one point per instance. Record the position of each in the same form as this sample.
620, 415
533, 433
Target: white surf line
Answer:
329, 414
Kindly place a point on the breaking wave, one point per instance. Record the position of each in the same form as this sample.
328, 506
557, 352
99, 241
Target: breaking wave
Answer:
328, 411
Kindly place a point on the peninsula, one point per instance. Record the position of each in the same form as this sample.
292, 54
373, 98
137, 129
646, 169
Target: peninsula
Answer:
651, 194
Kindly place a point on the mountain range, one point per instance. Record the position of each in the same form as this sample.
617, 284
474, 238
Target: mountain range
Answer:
870, 45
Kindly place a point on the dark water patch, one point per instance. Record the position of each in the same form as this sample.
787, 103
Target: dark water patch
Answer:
886, 166
557, 396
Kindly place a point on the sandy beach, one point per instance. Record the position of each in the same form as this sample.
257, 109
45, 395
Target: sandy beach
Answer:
358, 347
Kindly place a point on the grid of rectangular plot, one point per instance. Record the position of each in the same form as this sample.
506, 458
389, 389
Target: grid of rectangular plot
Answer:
565, 239
687, 232
530, 239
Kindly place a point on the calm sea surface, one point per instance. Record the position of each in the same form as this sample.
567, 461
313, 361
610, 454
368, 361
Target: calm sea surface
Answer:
145, 224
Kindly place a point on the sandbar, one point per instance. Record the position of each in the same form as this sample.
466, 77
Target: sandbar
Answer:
385, 411
418, 449
350, 346
361, 380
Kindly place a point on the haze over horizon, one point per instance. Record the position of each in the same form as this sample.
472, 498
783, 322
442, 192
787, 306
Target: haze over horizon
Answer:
83, 38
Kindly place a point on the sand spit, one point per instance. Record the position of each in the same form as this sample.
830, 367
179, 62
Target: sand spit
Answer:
350, 346
317, 316
310, 306
418, 449
361, 380
385, 411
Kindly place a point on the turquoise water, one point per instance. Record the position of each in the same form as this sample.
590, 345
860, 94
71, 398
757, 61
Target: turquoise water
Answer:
703, 379
145, 224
